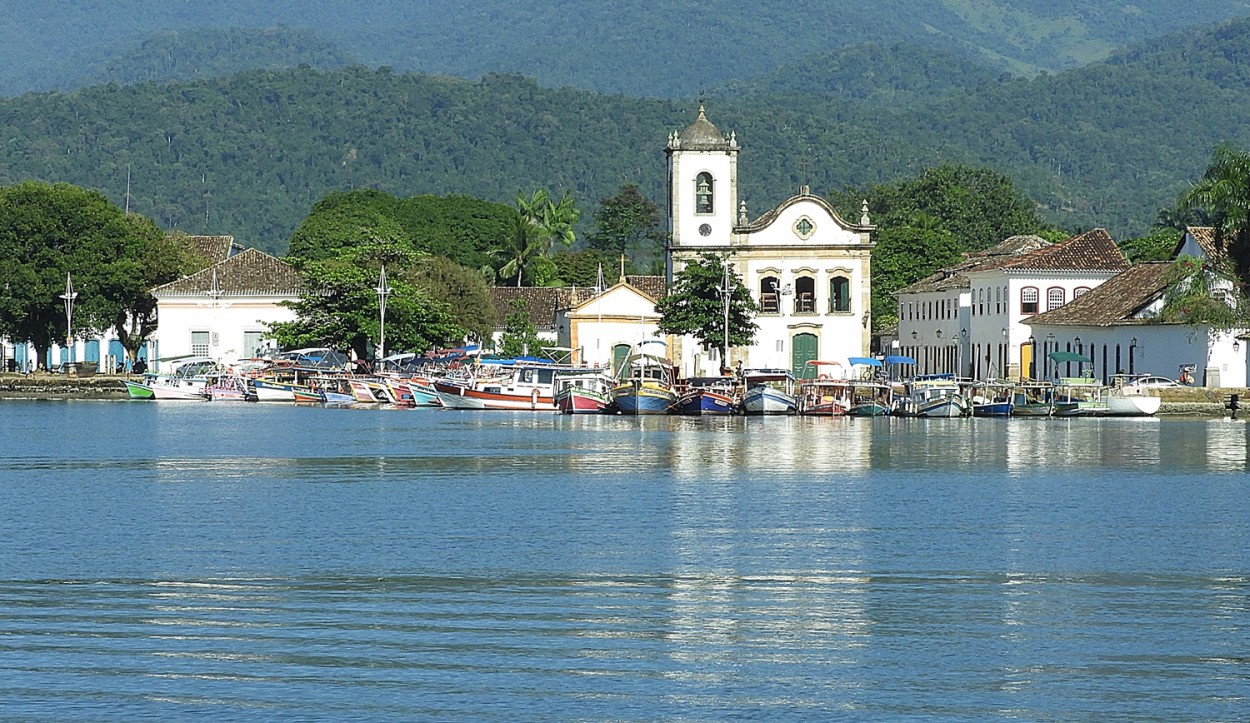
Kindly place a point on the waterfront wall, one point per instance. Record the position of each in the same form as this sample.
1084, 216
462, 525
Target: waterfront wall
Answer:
62, 386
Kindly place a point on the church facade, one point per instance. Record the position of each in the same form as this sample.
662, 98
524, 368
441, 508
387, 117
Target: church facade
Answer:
809, 270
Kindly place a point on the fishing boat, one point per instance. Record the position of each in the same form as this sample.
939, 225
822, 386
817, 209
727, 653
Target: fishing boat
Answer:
229, 388
362, 392
528, 386
824, 397
269, 389
870, 398
769, 391
1033, 399
584, 391
307, 396
936, 395
186, 383
644, 383
138, 390
1126, 399
1079, 397
710, 396
992, 399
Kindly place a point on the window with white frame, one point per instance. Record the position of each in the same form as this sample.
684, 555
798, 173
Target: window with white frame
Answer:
199, 343
1055, 296
1028, 300
252, 341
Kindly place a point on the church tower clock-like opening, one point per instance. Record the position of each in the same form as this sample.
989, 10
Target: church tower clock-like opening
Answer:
702, 187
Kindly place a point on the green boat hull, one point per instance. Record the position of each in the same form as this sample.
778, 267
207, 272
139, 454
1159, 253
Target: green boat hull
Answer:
138, 391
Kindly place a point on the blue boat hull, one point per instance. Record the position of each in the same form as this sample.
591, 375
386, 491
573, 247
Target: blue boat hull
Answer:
642, 404
993, 409
704, 403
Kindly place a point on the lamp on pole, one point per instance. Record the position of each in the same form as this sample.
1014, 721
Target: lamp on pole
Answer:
69, 297
383, 290
1050, 343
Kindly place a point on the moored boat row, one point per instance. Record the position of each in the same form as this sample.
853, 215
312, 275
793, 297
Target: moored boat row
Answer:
645, 383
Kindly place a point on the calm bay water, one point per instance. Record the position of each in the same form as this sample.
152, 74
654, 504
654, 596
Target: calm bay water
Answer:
167, 560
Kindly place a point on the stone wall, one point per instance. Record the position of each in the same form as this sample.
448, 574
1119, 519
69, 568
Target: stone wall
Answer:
61, 386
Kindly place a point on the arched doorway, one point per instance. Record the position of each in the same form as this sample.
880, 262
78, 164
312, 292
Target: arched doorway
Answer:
620, 353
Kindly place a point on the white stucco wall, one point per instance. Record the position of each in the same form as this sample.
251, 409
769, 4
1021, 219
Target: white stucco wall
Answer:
226, 320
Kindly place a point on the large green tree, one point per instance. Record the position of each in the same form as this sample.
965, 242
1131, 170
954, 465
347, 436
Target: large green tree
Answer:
49, 231
519, 336
461, 228
146, 259
1224, 193
628, 224
979, 206
340, 307
904, 255
696, 305
463, 290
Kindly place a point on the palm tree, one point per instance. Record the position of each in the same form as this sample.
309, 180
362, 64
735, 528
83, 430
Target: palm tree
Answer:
558, 221
520, 251
539, 223
1224, 192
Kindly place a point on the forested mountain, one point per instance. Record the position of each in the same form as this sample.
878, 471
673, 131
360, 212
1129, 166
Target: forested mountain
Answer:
891, 76
213, 53
1105, 145
636, 47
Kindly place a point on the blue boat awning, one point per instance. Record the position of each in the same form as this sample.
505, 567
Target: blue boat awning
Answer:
868, 361
895, 359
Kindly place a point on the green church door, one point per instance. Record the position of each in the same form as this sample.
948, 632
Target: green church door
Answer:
804, 348
620, 353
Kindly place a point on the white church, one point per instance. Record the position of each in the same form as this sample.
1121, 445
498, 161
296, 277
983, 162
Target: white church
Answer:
809, 270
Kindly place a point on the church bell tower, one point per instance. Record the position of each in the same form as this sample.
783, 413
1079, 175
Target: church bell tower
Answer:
702, 188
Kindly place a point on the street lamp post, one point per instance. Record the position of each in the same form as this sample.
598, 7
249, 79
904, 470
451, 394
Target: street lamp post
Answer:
69, 297
383, 290
1050, 343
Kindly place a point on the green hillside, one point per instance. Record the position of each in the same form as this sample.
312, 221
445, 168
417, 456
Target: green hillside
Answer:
635, 47
212, 53
891, 76
1106, 145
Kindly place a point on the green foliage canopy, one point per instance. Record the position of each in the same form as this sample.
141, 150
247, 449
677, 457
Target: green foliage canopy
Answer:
519, 337
629, 224
696, 306
50, 230
1196, 296
339, 307
461, 228
1224, 192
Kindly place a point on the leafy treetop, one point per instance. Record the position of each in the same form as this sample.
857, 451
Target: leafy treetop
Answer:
696, 305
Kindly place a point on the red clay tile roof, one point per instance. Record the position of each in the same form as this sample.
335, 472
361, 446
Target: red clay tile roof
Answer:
1115, 301
652, 286
991, 258
539, 302
212, 249
1205, 238
250, 273
542, 302
1091, 251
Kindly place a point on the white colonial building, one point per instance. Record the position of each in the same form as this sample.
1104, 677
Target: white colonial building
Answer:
808, 269
223, 311
970, 319
601, 329
1117, 326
